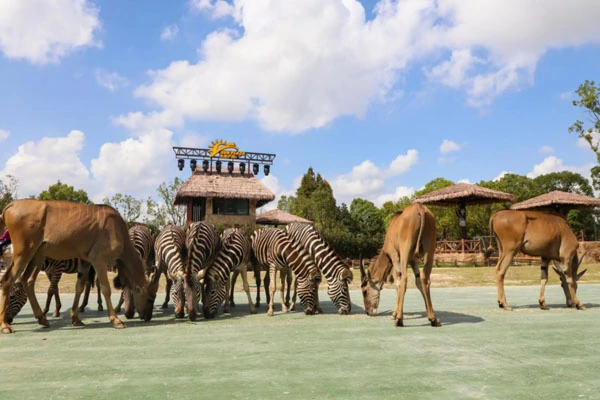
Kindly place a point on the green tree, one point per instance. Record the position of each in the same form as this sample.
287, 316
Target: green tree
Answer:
389, 208
62, 191
286, 203
164, 211
303, 204
8, 190
129, 207
323, 206
588, 93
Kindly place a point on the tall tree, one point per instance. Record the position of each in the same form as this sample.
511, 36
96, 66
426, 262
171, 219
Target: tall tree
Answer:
445, 217
165, 211
323, 206
286, 203
8, 191
389, 208
588, 93
62, 191
129, 207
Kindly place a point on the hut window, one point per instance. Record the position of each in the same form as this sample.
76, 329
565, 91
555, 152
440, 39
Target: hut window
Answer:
231, 206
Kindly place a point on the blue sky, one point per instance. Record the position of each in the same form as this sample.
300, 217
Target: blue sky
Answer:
380, 97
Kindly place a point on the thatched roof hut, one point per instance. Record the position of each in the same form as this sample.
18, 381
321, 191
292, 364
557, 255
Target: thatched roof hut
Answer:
279, 217
557, 201
463, 194
224, 185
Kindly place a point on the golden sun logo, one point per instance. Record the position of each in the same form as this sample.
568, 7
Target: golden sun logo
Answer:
225, 149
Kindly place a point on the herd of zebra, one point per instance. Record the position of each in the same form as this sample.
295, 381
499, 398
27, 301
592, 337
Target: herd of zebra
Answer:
201, 267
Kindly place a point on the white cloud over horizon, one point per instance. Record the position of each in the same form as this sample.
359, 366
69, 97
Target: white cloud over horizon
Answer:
483, 48
43, 32
4, 134
449, 146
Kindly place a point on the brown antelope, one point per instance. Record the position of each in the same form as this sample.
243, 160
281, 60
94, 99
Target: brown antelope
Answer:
410, 233
534, 233
63, 230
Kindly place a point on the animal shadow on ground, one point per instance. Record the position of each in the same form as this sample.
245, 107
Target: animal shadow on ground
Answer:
551, 306
446, 317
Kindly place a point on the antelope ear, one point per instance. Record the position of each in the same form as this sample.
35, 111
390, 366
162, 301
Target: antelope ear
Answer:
579, 275
200, 275
363, 273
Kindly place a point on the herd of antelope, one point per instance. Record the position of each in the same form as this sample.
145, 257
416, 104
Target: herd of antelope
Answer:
199, 264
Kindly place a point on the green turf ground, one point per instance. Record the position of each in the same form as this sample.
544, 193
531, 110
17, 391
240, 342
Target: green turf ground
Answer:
481, 352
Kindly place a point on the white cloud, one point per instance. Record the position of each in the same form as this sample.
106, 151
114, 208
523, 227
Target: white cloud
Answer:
110, 80
367, 180
401, 191
39, 165
546, 149
595, 141
465, 180
136, 165
215, 8
4, 135
555, 164
169, 32
299, 64
139, 122
448, 146
272, 182
45, 31
567, 95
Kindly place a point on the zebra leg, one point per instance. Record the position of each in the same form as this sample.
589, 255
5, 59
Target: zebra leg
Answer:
266, 283
288, 281
294, 296
257, 278
244, 273
168, 291
54, 286
273, 275
283, 277
234, 277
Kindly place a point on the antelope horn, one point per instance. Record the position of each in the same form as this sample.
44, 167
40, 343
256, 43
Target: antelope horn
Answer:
581, 259
363, 274
579, 275
556, 267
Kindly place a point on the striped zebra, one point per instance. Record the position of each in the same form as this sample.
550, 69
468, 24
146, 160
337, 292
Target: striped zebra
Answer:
170, 252
142, 239
234, 254
202, 242
336, 272
54, 270
272, 248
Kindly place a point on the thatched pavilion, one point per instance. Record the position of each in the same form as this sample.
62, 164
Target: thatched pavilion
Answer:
461, 195
557, 201
279, 217
227, 198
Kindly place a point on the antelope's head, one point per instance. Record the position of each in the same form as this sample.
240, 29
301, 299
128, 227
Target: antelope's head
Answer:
371, 291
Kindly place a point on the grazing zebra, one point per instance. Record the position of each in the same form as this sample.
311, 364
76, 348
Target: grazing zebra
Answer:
336, 272
202, 242
169, 250
272, 248
54, 270
142, 239
234, 254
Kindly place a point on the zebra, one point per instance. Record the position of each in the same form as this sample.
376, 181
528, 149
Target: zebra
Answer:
272, 248
202, 242
169, 250
54, 270
336, 272
142, 239
233, 255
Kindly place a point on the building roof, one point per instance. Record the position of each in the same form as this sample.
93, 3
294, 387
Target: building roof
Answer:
557, 199
279, 217
463, 192
224, 185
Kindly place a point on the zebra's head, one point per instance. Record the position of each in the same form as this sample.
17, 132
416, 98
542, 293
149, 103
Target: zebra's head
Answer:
16, 301
340, 294
214, 295
307, 290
